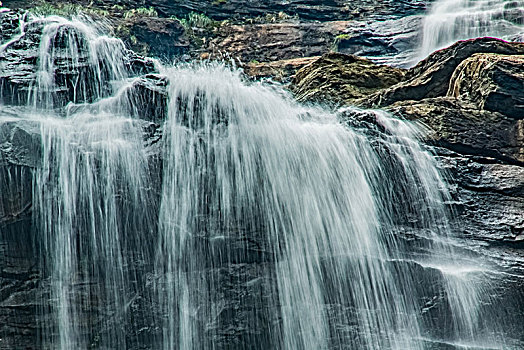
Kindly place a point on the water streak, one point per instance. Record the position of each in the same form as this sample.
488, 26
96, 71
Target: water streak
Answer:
451, 20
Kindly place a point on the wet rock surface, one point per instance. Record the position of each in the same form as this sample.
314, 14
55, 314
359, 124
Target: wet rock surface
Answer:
350, 78
431, 77
19, 66
464, 128
468, 96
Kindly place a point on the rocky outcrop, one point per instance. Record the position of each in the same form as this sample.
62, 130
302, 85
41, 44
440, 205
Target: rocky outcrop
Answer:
9, 24
490, 202
343, 79
262, 31
275, 41
391, 42
19, 66
388, 41
492, 82
432, 76
470, 98
463, 127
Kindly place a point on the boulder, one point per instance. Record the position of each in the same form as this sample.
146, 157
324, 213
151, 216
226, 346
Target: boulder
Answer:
343, 79
431, 77
464, 128
492, 82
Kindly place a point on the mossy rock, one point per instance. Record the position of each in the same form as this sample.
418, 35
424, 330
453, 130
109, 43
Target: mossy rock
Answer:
343, 79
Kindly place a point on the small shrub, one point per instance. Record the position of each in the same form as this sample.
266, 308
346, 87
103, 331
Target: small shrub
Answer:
141, 12
198, 20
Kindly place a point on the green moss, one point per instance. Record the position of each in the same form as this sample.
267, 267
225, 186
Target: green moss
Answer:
280, 17
338, 39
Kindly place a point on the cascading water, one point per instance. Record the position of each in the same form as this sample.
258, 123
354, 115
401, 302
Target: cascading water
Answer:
275, 225
87, 194
451, 20
242, 159
91, 63
90, 190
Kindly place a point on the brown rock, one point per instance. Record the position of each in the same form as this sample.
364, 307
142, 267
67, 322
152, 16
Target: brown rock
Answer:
278, 70
493, 82
462, 127
274, 41
343, 78
431, 77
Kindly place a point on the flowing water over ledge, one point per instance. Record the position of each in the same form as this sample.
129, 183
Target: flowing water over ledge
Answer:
258, 223
410, 39
451, 20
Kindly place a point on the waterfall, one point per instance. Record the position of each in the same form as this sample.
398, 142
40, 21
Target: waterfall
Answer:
272, 225
90, 192
90, 63
451, 20
89, 199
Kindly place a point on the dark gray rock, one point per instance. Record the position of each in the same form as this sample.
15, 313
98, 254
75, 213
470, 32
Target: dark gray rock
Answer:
466, 129
163, 38
9, 24
324, 10
391, 42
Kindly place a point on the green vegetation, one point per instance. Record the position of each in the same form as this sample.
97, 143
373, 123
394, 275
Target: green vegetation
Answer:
198, 21
338, 40
66, 10
141, 12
